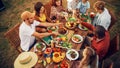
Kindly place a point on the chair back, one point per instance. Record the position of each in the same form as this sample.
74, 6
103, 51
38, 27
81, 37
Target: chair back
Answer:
114, 46
12, 35
113, 19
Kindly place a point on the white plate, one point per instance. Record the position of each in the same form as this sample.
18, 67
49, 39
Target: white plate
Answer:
56, 28
43, 44
80, 27
79, 36
64, 13
68, 54
67, 26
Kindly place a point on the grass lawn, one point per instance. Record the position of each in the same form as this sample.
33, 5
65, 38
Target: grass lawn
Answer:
11, 16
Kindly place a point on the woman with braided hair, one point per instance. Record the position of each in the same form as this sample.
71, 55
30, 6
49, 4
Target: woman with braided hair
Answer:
90, 59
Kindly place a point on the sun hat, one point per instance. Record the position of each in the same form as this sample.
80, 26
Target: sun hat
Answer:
26, 60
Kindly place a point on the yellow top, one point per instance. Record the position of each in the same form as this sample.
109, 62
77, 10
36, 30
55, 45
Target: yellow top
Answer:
42, 18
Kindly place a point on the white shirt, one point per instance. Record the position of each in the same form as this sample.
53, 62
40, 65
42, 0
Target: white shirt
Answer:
72, 4
103, 19
25, 33
83, 6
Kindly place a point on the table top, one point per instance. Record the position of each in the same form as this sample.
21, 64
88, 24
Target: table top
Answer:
75, 46
42, 60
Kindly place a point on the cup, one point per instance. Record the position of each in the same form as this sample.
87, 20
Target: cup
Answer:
92, 14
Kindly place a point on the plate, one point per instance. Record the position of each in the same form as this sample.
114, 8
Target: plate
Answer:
70, 26
40, 44
64, 13
82, 27
47, 39
63, 31
63, 64
48, 50
72, 54
77, 38
53, 28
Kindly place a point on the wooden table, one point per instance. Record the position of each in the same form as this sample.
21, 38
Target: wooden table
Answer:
75, 46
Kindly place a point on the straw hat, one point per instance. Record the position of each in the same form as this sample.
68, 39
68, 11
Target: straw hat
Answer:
26, 60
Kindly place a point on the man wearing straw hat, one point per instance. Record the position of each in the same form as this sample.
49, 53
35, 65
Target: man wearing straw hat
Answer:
26, 60
27, 31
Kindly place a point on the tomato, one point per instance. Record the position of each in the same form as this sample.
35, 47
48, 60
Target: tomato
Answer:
56, 66
66, 65
58, 50
61, 65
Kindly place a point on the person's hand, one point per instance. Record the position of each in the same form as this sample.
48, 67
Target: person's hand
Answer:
79, 21
54, 34
90, 38
59, 24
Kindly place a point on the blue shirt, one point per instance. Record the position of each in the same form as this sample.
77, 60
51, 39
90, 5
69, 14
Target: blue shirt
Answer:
83, 7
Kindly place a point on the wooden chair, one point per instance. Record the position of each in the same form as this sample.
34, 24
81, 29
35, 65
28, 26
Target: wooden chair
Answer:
12, 35
113, 48
113, 19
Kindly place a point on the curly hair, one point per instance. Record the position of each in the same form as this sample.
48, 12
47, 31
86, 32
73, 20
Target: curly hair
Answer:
99, 5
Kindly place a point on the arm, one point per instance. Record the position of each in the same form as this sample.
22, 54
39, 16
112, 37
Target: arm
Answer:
41, 35
53, 12
78, 6
89, 26
49, 24
88, 7
47, 17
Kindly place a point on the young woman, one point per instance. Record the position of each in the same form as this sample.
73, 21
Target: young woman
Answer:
40, 13
56, 9
90, 59
102, 17
83, 7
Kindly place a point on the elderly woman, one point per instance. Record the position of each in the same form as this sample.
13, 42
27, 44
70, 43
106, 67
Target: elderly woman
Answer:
40, 13
102, 17
56, 9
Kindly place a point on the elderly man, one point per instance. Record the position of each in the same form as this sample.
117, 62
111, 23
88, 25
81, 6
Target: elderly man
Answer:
27, 30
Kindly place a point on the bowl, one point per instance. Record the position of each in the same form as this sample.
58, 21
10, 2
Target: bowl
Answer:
72, 54
39, 46
52, 28
70, 25
63, 31
77, 38
82, 27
